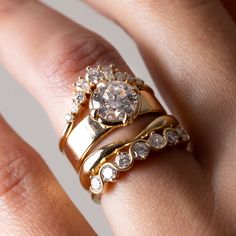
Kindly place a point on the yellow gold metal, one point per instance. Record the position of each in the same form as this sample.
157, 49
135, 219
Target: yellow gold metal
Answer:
89, 132
65, 133
109, 167
94, 161
84, 129
104, 100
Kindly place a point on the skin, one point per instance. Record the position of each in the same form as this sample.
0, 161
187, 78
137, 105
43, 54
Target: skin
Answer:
189, 48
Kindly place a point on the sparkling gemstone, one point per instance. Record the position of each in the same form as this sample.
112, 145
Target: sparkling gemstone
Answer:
96, 184
172, 136
94, 76
119, 76
115, 101
156, 141
80, 97
108, 74
130, 78
82, 85
123, 160
69, 117
139, 81
183, 134
108, 173
140, 150
75, 107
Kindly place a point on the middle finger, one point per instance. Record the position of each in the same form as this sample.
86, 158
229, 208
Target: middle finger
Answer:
189, 46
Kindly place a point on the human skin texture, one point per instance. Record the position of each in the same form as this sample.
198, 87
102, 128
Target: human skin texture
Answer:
189, 47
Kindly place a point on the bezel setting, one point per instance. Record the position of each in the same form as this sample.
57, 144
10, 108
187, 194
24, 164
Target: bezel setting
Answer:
96, 184
139, 149
108, 172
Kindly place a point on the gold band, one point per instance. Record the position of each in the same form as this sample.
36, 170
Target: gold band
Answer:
77, 141
94, 161
107, 99
105, 165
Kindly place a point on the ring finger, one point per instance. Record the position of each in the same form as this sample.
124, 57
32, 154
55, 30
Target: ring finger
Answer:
46, 52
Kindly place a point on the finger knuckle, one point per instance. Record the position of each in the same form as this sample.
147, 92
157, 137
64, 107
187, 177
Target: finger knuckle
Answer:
16, 175
8, 8
70, 55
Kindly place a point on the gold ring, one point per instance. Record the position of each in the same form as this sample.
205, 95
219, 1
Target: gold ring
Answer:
94, 161
114, 99
106, 99
107, 163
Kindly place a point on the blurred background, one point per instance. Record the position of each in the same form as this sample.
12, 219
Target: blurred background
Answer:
23, 112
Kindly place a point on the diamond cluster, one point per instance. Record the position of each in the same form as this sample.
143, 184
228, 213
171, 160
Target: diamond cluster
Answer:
114, 85
138, 150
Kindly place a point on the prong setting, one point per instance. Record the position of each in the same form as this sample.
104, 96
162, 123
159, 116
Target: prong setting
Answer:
97, 79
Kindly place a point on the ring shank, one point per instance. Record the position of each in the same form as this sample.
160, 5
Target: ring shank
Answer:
89, 132
98, 157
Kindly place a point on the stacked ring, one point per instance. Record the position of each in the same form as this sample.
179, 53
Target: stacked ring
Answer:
114, 99
106, 99
95, 160
104, 165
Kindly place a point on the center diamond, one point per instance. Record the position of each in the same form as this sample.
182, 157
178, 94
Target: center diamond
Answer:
115, 101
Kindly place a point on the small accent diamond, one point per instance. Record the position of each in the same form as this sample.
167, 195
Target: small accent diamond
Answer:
140, 150
94, 76
80, 97
119, 76
130, 79
157, 141
123, 160
69, 118
75, 108
172, 136
108, 173
139, 81
107, 72
96, 184
82, 85
182, 133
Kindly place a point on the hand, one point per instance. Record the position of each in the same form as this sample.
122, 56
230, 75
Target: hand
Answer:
189, 47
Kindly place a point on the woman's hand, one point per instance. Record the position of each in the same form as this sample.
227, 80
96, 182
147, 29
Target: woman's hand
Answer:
189, 47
